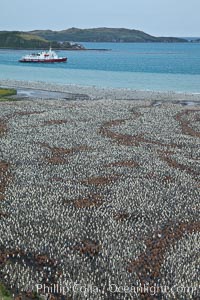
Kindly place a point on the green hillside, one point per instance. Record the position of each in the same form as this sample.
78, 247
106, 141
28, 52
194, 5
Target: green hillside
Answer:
102, 35
18, 40
42, 39
25, 40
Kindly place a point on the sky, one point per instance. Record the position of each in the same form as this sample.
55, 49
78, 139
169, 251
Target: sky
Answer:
157, 17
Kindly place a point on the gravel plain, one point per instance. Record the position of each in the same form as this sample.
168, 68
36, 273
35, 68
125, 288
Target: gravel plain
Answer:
99, 193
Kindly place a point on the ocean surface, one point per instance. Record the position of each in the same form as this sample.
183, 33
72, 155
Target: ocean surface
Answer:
138, 66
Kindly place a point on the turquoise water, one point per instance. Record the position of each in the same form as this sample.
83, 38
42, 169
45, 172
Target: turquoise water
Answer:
142, 66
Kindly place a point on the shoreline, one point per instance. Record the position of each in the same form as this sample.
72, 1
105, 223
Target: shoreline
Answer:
96, 93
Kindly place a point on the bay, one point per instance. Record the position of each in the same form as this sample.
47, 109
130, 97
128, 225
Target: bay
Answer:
139, 66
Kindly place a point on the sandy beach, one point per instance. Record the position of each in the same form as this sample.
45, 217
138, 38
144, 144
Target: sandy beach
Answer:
99, 192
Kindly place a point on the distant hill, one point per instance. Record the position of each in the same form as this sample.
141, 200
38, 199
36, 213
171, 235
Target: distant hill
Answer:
191, 38
102, 35
25, 40
42, 39
195, 40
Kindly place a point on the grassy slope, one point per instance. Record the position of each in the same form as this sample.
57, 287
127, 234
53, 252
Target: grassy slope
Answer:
25, 40
30, 37
20, 40
6, 93
102, 35
4, 293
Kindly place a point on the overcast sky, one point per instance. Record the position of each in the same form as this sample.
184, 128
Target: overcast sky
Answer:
156, 17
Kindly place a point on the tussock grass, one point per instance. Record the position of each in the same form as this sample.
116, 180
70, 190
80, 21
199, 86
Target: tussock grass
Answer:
4, 293
6, 93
